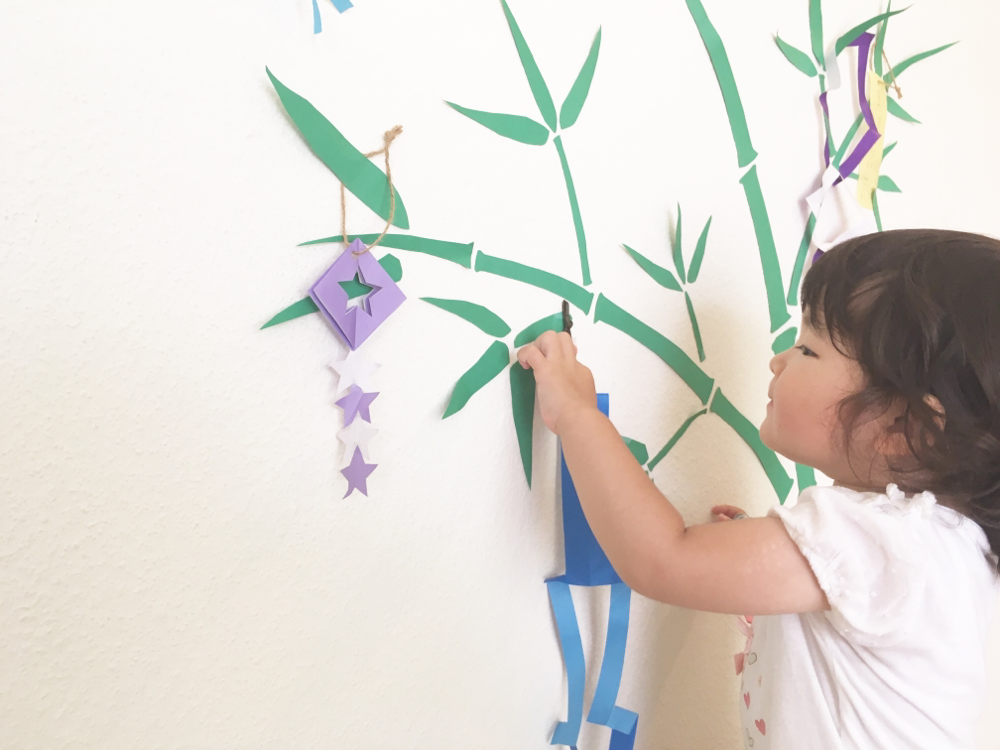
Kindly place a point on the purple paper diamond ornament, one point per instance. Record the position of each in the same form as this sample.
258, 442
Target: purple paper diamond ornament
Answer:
355, 323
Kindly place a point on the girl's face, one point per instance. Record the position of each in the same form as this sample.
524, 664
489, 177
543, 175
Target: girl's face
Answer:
810, 380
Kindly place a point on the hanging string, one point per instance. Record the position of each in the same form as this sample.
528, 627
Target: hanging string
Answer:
899, 93
387, 139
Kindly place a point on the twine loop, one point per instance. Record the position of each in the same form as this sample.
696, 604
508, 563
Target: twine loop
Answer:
388, 137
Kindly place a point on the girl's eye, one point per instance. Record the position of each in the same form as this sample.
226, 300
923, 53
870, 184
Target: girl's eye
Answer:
806, 350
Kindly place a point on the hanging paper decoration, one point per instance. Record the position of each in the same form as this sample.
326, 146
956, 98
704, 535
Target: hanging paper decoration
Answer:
354, 369
332, 294
587, 565
357, 473
340, 5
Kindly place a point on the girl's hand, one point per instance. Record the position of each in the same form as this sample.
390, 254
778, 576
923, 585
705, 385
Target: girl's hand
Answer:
563, 385
728, 513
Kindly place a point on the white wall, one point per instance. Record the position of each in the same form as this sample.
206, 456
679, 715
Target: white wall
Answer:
177, 566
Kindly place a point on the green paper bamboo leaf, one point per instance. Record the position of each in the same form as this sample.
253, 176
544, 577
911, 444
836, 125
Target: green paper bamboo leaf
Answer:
897, 111
522, 404
515, 127
796, 57
366, 181
769, 264
677, 249
816, 30
878, 214
456, 252
844, 41
536, 329
886, 185
853, 131
888, 149
482, 318
880, 42
699, 253
800, 260
695, 328
296, 310
487, 367
538, 88
306, 306
805, 476
660, 275
577, 95
784, 340
638, 450
898, 69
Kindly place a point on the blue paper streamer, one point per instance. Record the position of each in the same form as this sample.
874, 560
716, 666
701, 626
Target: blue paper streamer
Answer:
603, 709
317, 21
586, 563
572, 648
621, 741
342, 5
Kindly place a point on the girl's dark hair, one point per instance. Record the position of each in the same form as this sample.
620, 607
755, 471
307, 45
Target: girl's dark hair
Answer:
919, 310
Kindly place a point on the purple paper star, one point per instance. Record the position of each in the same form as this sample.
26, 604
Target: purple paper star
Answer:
357, 473
356, 403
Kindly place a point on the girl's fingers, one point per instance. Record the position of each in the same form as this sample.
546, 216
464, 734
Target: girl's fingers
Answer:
530, 357
729, 511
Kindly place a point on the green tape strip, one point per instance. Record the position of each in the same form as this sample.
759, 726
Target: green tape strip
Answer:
557, 285
515, 127
487, 367
484, 319
522, 404
366, 181
660, 275
743, 427
675, 438
608, 312
538, 88
727, 83
577, 95
456, 252
536, 329
768, 252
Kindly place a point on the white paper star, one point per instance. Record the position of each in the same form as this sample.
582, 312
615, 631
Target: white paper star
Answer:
354, 369
356, 435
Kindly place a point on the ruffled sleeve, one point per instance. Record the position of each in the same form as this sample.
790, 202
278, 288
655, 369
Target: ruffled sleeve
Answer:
864, 549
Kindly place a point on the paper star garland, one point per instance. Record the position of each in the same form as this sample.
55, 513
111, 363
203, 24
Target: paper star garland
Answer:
357, 435
354, 369
357, 473
355, 404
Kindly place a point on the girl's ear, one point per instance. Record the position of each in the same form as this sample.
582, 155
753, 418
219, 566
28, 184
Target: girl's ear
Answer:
895, 440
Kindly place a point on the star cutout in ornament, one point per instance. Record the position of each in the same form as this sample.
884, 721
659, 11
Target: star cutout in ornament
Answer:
353, 369
357, 473
355, 404
358, 292
357, 435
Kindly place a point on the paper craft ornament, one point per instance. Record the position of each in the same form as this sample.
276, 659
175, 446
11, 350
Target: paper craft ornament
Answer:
356, 403
357, 473
355, 323
357, 435
354, 369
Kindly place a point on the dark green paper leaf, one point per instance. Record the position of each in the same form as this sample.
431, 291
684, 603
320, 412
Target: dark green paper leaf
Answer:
897, 111
536, 329
796, 57
660, 275
482, 318
487, 367
515, 127
886, 185
844, 41
699, 253
638, 450
677, 249
898, 69
522, 404
581, 87
366, 181
456, 252
538, 88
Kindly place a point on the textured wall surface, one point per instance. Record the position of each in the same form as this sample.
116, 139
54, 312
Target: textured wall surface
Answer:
177, 566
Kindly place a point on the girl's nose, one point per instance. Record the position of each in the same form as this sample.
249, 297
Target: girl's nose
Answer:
777, 363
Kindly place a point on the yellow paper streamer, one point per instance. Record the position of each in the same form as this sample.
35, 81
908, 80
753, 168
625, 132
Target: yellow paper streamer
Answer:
871, 165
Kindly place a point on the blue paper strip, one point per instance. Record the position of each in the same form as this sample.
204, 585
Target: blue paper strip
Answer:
342, 5
621, 741
572, 649
586, 563
317, 21
603, 709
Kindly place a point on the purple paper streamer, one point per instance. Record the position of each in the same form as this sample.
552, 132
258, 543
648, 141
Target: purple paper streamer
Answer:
826, 127
871, 136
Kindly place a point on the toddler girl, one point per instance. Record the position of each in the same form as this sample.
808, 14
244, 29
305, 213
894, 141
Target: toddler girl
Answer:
869, 599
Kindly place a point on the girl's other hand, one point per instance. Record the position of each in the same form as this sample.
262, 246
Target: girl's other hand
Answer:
728, 513
563, 385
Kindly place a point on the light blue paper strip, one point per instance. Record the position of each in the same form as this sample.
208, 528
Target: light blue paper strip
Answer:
622, 741
603, 709
317, 21
342, 5
572, 648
